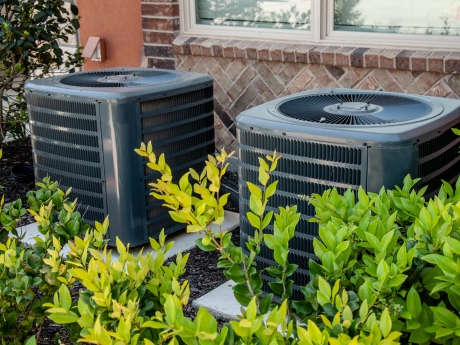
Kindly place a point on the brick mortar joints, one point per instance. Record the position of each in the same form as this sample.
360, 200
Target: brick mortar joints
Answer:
450, 60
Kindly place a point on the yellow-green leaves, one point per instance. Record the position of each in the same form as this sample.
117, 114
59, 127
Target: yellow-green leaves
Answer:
60, 311
414, 305
385, 323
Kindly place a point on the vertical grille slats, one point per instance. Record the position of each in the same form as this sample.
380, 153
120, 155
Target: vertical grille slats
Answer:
433, 170
66, 146
82, 184
64, 121
332, 153
176, 116
307, 167
75, 168
73, 153
176, 100
74, 107
65, 136
179, 130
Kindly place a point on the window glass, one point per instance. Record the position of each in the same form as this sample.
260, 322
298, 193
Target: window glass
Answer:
424, 17
281, 14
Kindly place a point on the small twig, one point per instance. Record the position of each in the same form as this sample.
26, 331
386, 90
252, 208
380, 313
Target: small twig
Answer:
40, 330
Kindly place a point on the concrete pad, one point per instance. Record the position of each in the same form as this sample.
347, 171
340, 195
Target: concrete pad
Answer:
220, 302
31, 231
183, 241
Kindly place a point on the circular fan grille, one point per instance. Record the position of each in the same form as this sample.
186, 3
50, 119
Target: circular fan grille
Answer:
119, 78
355, 108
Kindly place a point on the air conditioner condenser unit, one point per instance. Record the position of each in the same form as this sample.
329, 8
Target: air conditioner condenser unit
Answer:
344, 139
85, 127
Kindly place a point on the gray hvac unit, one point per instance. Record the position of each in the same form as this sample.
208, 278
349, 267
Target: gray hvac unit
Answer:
344, 139
85, 127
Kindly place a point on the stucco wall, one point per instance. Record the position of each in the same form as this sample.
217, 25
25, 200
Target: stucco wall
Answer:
119, 22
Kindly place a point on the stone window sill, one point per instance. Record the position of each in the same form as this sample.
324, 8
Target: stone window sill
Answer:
409, 60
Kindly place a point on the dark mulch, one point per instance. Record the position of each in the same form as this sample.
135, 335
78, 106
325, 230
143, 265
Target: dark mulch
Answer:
201, 269
203, 275
15, 152
201, 272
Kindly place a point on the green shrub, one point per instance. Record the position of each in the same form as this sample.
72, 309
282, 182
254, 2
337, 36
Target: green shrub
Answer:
387, 271
397, 251
31, 275
30, 32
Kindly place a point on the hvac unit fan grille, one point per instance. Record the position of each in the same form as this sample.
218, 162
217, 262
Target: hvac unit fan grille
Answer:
355, 108
67, 148
119, 79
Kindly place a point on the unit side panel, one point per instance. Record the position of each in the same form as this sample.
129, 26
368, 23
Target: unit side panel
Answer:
438, 159
306, 167
180, 126
67, 147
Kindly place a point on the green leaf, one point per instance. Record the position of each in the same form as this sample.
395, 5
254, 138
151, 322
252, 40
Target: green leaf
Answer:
65, 299
303, 307
31, 341
445, 316
255, 204
254, 220
419, 337
385, 323
448, 266
200, 245
453, 244
425, 218
62, 318
271, 189
324, 287
374, 241
236, 270
74, 9
414, 304
263, 176
396, 280
254, 190
267, 219
265, 302
443, 332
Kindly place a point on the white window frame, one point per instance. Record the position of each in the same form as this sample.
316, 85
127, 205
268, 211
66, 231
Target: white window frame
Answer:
190, 28
322, 32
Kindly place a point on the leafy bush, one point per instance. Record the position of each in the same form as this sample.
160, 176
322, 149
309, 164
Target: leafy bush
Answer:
388, 269
31, 275
30, 32
397, 251
116, 306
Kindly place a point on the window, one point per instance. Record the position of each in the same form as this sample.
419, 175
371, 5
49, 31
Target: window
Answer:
274, 14
426, 24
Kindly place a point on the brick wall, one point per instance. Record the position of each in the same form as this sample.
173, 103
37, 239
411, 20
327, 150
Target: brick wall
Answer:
160, 26
247, 73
